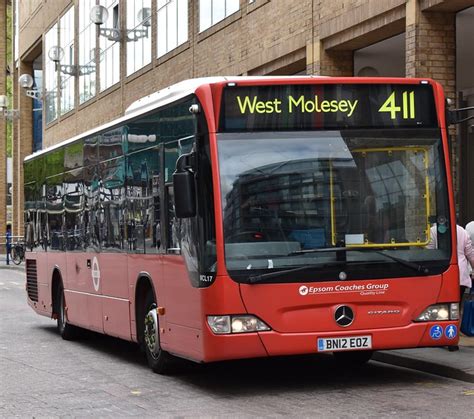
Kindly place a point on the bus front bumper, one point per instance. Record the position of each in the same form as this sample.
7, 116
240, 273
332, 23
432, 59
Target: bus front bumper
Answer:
272, 343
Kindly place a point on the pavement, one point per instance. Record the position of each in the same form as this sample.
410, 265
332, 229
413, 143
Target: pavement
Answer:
438, 361
3, 264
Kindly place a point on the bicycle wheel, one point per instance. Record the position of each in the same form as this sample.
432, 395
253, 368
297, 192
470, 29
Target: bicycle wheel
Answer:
16, 256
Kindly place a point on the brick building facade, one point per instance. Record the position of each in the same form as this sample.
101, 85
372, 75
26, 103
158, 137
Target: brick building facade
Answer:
255, 37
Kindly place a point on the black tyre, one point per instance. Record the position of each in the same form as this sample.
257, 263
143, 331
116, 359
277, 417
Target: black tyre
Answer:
159, 361
353, 358
16, 255
66, 330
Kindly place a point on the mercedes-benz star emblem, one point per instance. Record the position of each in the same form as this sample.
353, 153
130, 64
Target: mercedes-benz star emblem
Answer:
344, 316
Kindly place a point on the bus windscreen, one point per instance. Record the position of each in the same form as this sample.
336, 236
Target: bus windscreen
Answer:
327, 106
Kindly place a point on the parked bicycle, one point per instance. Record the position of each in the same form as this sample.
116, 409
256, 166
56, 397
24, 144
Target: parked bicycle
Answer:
18, 253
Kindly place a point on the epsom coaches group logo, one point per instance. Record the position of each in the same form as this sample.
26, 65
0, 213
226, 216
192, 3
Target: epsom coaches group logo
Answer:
371, 288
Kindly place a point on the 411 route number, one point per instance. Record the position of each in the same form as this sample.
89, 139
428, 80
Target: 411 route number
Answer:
407, 107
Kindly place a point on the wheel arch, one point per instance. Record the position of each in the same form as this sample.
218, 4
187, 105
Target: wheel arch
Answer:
56, 282
143, 286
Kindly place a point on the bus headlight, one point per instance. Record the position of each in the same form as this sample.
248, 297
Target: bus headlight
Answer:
219, 324
440, 312
243, 323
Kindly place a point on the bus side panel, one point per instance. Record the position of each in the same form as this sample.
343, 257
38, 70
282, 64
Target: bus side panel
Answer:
84, 302
223, 297
114, 287
182, 310
43, 282
149, 266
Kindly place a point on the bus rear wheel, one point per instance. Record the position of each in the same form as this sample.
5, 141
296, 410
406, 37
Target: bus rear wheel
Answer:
353, 358
66, 330
159, 360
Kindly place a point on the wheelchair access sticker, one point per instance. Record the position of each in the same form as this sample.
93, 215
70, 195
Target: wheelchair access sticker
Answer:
451, 331
436, 332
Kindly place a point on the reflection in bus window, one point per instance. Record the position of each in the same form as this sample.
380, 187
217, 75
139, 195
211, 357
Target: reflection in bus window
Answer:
143, 201
91, 222
73, 209
55, 212
112, 196
174, 224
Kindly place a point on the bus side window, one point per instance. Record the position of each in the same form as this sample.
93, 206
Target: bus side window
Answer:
173, 150
112, 196
55, 212
91, 233
156, 208
143, 229
73, 206
173, 235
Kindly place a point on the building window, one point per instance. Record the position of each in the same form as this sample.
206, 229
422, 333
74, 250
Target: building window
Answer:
38, 104
213, 11
50, 77
110, 50
87, 47
66, 39
172, 25
139, 51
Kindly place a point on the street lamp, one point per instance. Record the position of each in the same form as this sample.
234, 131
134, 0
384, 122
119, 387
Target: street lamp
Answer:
144, 16
26, 82
8, 114
99, 15
56, 54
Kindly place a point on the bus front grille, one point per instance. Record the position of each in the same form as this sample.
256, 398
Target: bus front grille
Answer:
31, 280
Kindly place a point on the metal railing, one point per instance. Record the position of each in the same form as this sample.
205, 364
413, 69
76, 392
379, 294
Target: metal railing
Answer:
3, 239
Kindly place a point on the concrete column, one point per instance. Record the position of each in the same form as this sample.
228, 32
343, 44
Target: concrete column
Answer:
431, 53
322, 62
431, 46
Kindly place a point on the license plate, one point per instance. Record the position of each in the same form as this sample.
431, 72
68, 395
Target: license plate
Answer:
344, 344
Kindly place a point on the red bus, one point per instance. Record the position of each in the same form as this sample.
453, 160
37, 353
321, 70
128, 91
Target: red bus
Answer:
239, 217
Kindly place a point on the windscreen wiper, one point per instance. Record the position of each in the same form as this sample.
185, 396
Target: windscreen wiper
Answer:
259, 278
415, 266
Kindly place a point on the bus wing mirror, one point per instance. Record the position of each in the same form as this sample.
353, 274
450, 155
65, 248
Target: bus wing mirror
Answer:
184, 187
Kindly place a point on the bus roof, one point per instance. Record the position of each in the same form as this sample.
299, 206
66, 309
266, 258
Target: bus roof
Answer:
173, 93
187, 87
163, 97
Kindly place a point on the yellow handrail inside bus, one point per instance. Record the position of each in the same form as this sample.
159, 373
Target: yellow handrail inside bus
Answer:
331, 200
393, 242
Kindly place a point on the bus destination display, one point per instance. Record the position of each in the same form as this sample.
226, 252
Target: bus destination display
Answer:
330, 106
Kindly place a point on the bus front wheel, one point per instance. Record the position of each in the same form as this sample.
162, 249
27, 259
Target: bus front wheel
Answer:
66, 330
158, 360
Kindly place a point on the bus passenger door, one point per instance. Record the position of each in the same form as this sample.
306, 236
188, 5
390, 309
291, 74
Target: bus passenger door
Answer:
182, 299
113, 256
82, 247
